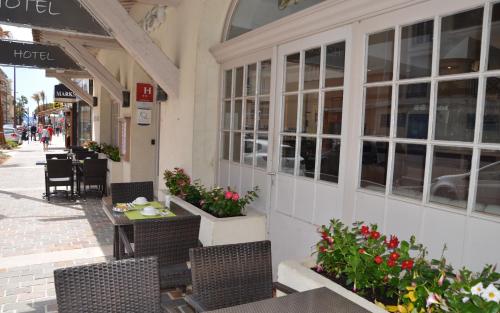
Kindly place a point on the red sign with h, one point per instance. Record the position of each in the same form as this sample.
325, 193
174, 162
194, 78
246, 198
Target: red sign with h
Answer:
145, 92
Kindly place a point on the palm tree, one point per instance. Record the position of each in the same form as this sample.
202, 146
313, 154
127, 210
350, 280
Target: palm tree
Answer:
3, 34
36, 97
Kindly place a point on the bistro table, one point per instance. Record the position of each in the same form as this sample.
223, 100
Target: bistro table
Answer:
44, 162
120, 220
321, 300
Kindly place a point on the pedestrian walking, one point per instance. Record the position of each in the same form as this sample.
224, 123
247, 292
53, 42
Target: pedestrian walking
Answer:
51, 133
45, 138
33, 132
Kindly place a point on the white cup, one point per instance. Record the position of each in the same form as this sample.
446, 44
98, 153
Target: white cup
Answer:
149, 210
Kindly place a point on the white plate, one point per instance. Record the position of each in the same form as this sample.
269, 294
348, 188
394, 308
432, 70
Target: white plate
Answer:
140, 201
156, 212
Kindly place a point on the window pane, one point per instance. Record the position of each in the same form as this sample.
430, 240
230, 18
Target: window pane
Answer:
290, 114
413, 111
307, 156
488, 183
456, 110
491, 121
236, 147
226, 123
287, 164
330, 160
310, 113
416, 50
374, 167
265, 77
312, 63
292, 72
461, 42
332, 115
237, 115
261, 148
250, 114
228, 83
225, 145
380, 56
251, 79
450, 176
335, 64
409, 170
248, 149
378, 111
239, 82
494, 56
263, 113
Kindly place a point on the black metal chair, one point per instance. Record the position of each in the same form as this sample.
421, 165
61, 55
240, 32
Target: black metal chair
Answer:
229, 275
120, 286
93, 172
59, 174
56, 156
168, 239
82, 155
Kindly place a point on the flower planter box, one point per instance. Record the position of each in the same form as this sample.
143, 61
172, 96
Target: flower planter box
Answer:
115, 171
220, 231
298, 275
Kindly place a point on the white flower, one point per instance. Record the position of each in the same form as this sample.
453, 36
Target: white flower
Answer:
491, 294
465, 299
477, 290
432, 299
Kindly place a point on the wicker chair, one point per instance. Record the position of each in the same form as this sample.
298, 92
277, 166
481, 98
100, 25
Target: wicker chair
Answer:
229, 275
59, 173
170, 240
57, 156
82, 155
93, 173
120, 286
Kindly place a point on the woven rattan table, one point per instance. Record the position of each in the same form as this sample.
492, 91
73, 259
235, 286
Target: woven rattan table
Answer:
320, 300
120, 219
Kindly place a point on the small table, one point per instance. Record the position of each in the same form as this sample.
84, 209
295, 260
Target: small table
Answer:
43, 163
320, 300
121, 220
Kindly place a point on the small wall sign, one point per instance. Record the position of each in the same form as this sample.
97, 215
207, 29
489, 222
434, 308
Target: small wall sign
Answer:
144, 98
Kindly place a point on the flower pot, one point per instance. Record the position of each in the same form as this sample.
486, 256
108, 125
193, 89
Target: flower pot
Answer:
229, 230
115, 173
298, 275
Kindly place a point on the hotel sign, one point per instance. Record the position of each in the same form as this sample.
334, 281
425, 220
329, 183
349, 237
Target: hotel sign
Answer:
35, 55
67, 15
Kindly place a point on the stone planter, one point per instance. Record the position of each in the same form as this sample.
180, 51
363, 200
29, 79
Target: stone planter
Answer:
220, 231
298, 275
115, 171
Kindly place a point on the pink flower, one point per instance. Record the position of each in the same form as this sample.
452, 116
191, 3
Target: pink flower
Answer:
236, 196
229, 195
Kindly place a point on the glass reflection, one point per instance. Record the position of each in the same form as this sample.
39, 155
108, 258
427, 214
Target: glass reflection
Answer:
335, 65
238, 114
461, 42
491, 119
378, 111
238, 88
236, 147
488, 183
310, 113
226, 123
413, 111
292, 72
287, 163
332, 115
290, 114
330, 160
248, 149
307, 157
312, 65
380, 56
409, 170
456, 110
228, 83
374, 166
450, 176
225, 145
261, 148
416, 50
250, 114
251, 79
263, 113
265, 77
494, 55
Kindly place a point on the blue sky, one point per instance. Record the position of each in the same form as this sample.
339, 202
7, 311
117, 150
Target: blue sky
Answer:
29, 80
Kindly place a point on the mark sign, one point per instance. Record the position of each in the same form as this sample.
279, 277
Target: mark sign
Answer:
145, 92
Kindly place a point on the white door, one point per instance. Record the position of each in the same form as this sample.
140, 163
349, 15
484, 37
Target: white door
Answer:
309, 132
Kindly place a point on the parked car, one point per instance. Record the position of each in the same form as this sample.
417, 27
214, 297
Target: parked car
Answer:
12, 135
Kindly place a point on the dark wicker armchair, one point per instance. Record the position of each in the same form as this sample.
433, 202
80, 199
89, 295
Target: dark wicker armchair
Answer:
130, 286
56, 156
59, 173
128, 192
229, 275
93, 173
170, 240
82, 155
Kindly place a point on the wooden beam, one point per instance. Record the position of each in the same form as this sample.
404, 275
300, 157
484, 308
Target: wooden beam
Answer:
137, 43
170, 3
72, 74
87, 41
68, 82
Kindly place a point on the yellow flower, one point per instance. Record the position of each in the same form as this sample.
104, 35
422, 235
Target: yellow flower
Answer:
411, 295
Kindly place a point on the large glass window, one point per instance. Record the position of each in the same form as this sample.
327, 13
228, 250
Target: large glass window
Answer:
311, 120
436, 133
245, 114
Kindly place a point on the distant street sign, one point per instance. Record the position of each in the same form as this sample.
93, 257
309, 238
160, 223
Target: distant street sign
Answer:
63, 94
35, 55
67, 15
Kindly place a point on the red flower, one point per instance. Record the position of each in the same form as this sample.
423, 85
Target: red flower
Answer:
229, 195
362, 251
329, 239
324, 235
322, 249
365, 230
236, 196
391, 263
393, 242
394, 256
407, 265
375, 234
378, 259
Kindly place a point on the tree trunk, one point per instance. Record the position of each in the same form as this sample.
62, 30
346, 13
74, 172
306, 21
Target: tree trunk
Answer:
2, 135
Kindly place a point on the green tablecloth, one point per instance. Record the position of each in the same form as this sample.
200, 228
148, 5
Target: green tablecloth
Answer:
135, 213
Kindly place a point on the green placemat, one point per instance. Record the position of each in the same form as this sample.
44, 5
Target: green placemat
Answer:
136, 215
